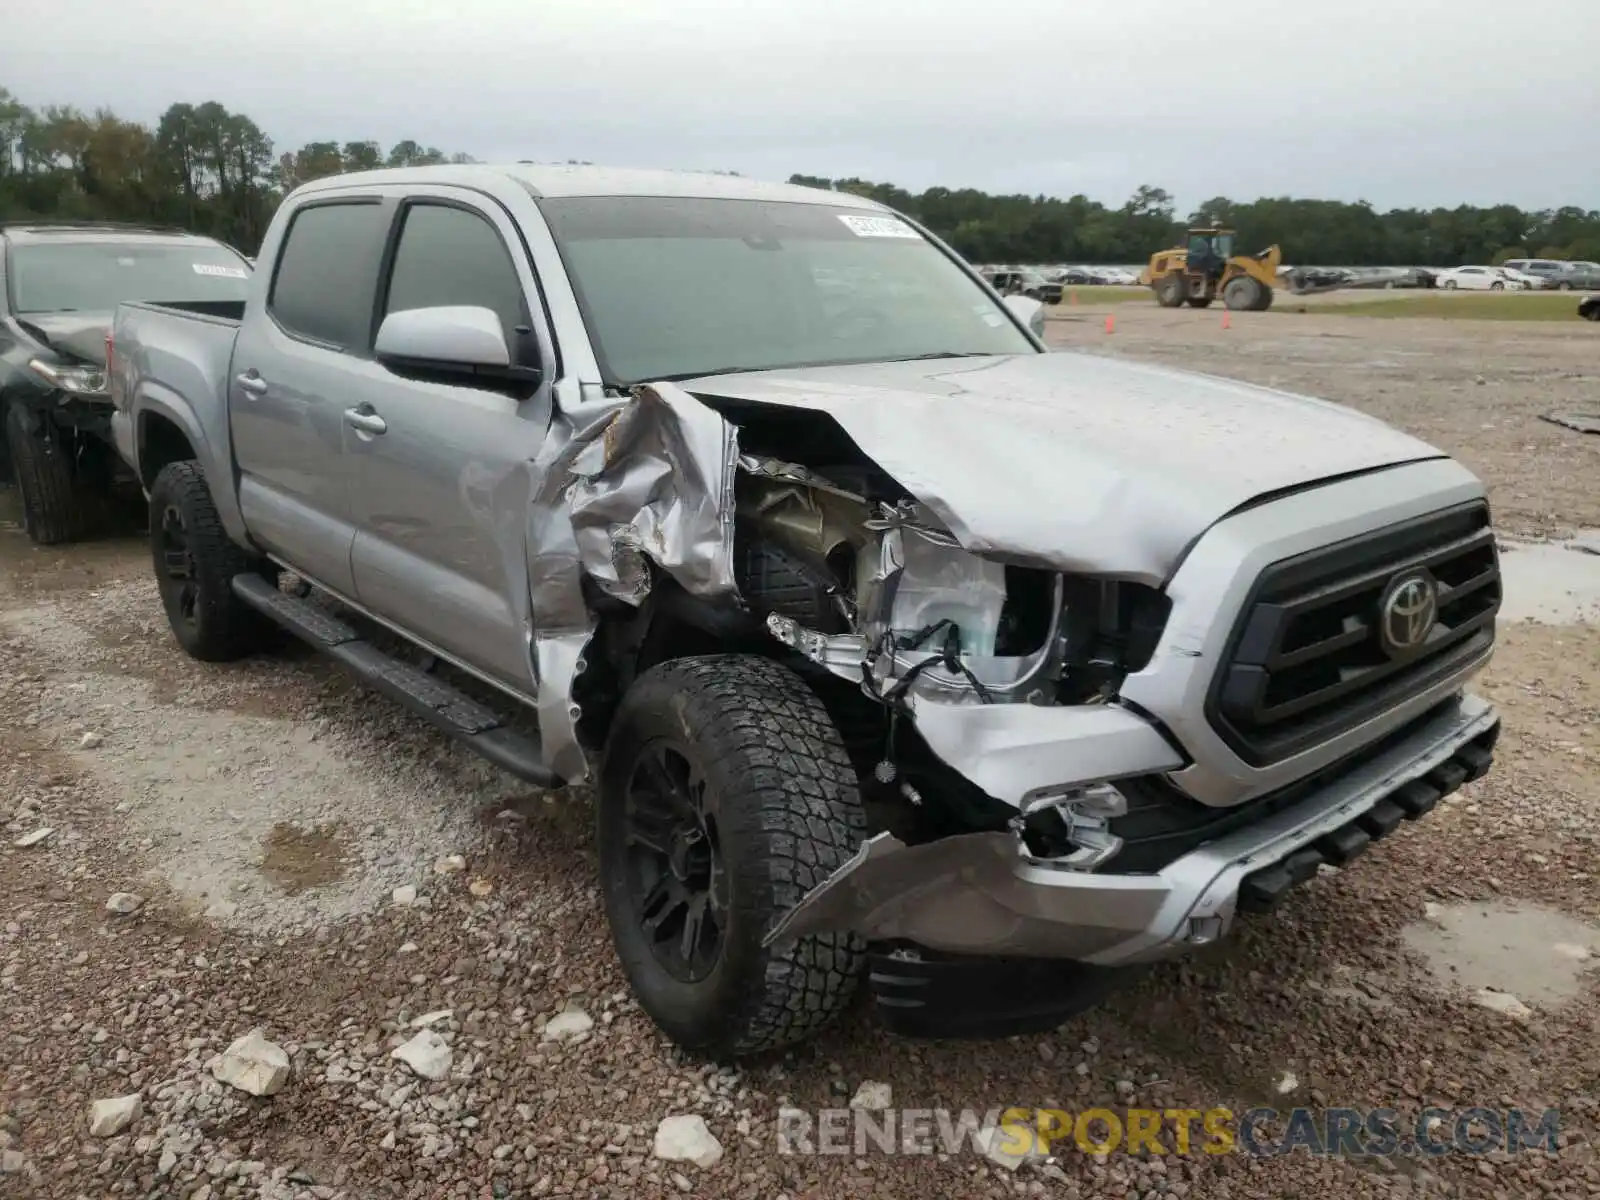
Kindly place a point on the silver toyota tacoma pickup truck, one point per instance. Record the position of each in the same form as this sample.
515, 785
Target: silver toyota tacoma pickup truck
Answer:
896, 648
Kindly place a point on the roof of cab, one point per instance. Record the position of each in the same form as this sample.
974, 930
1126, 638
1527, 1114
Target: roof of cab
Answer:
559, 180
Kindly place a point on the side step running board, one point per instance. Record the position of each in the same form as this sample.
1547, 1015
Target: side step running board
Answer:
441, 705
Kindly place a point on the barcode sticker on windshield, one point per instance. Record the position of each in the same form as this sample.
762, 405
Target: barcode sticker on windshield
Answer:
220, 272
878, 226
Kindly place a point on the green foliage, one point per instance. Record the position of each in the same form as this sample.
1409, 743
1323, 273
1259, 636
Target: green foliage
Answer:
201, 167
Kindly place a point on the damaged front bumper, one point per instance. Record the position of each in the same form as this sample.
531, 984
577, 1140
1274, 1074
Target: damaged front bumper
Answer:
983, 893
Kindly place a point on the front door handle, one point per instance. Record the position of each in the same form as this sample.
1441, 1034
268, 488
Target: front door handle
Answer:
365, 420
251, 381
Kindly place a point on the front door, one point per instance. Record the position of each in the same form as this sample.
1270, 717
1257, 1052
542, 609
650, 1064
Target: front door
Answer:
291, 366
442, 495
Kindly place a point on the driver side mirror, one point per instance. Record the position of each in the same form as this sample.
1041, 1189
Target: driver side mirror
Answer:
1027, 310
448, 336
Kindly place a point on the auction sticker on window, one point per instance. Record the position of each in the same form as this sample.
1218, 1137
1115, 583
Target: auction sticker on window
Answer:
220, 272
890, 227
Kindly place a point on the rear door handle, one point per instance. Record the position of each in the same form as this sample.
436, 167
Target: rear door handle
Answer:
365, 420
251, 381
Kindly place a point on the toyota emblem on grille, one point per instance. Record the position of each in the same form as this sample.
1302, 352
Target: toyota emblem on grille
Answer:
1407, 613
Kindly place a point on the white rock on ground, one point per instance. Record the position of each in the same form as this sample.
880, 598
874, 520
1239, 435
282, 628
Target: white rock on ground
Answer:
124, 903
404, 896
90, 740
872, 1096
253, 1064
427, 1054
449, 865
567, 1024
1287, 1082
107, 1118
432, 1018
1569, 950
996, 1147
1504, 1002
480, 888
686, 1139
32, 839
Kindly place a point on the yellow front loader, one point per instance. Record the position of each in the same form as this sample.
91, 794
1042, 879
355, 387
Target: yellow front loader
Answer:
1206, 267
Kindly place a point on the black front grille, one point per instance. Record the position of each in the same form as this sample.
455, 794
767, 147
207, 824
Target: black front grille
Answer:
1306, 661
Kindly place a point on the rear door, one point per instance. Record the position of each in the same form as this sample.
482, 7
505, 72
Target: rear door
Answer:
443, 494
293, 365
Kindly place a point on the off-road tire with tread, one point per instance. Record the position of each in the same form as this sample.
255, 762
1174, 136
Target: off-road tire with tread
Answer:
1264, 300
1171, 289
223, 627
55, 508
789, 814
1241, 294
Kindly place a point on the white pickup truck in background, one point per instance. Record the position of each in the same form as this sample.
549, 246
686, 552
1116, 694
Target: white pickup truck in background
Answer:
888, 637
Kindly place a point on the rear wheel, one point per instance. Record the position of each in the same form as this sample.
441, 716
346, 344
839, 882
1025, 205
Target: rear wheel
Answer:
1497, 286
1241, 293
725, 796
56, 507
1564, 286
1449, 285
195, 563
1171, 290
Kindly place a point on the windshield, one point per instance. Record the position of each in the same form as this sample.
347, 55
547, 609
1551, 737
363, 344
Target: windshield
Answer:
672, 288
96, 276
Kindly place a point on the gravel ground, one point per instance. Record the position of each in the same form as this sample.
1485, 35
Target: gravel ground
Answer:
261, 817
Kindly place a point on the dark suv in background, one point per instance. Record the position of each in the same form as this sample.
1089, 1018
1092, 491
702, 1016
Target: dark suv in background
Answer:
60, 284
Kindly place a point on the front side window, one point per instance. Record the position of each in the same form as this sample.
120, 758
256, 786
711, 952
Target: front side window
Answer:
677, 287
96, 275
449, 256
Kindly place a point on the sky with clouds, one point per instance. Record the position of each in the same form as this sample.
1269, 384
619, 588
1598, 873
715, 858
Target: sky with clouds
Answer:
1401, 103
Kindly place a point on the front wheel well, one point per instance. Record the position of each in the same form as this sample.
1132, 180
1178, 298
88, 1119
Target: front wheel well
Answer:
161, 441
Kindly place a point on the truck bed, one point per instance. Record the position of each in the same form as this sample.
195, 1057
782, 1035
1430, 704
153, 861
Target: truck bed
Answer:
163, 352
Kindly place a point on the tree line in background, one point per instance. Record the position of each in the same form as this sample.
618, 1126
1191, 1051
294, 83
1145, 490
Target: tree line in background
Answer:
1046, 229
201, 167
216, 172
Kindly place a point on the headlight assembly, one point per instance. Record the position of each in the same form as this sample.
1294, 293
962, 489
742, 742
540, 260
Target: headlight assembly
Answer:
78, 380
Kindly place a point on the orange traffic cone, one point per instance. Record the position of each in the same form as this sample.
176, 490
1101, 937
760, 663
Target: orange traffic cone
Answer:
1111, 322
1074, 300
1227, 319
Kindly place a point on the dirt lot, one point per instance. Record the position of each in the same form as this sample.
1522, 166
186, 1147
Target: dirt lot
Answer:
265, 813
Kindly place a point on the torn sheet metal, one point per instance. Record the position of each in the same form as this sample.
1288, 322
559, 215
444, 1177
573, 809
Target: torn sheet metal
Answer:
976, 893
638, 482
657, 484
1019, 753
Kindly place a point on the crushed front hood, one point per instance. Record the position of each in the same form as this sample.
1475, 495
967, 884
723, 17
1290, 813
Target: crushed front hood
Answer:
1074, 461
78, 335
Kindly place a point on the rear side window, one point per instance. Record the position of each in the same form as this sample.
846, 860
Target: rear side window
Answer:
323, 286
449, 256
